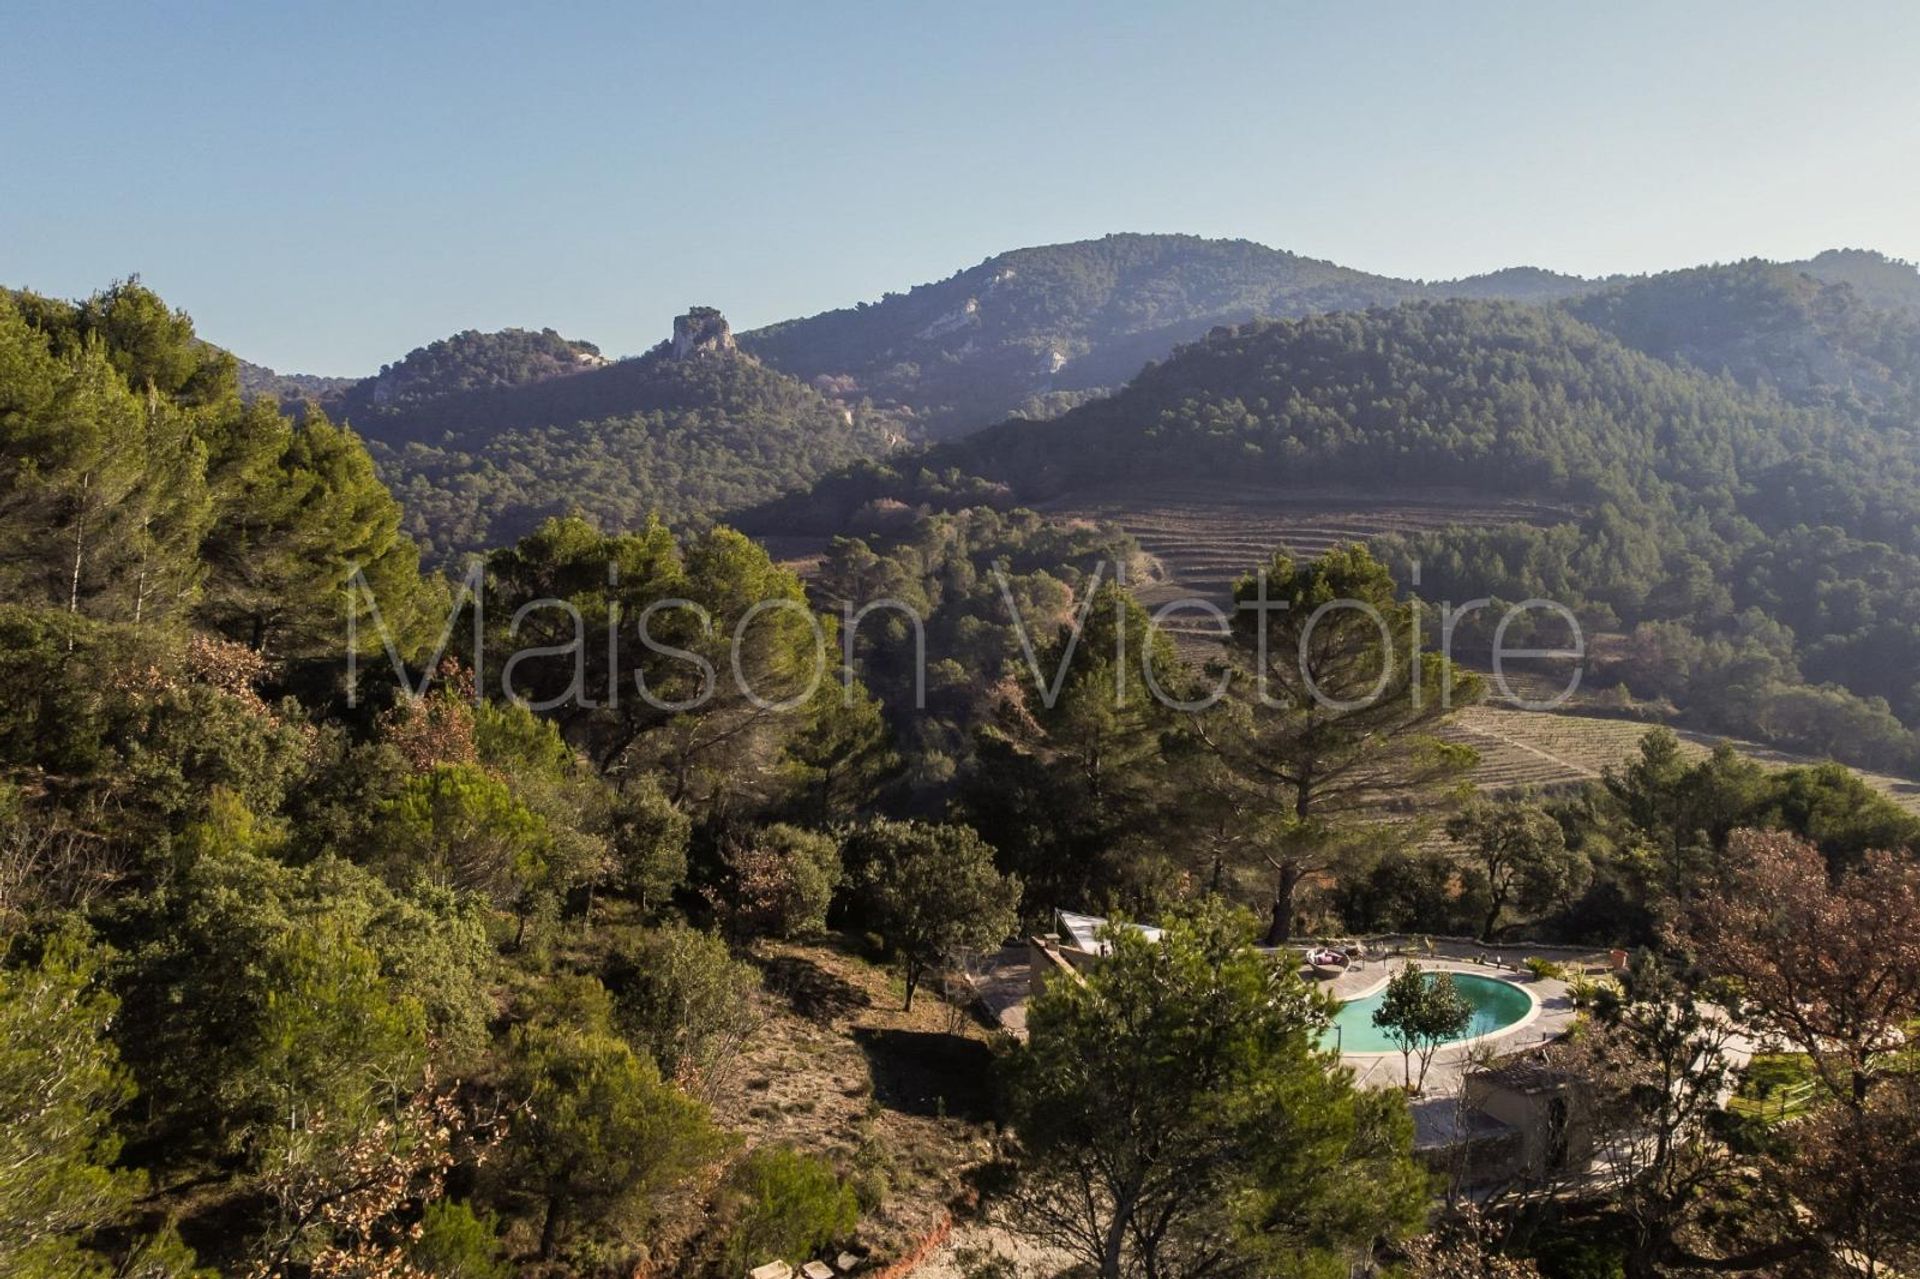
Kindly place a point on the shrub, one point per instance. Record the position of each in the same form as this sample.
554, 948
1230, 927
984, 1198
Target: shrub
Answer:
1544, 969
456, 1242
1575, 1257
686, 1000
786, 1205
778, 882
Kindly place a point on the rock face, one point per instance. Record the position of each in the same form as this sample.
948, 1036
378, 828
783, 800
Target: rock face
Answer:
701, 331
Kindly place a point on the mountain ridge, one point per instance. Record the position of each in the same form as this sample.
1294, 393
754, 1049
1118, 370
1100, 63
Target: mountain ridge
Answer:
1029, 331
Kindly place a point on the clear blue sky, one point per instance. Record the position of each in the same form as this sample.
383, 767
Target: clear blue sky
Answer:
327, 189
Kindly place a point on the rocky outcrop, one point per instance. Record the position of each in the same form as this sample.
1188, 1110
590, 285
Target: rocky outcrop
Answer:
702, 331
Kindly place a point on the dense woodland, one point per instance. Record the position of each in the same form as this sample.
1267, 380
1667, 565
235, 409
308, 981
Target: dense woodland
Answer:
656, 435
1751, 529
308, 971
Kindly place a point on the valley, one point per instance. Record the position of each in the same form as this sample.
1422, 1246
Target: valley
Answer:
852, 641
699, 967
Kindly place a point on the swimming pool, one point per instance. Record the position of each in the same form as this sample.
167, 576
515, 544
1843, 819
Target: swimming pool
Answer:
1496, 1005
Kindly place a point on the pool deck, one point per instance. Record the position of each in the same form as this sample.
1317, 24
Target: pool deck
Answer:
1435, 1110
1005, 990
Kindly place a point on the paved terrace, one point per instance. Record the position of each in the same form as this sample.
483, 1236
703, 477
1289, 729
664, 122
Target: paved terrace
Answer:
1436, 1113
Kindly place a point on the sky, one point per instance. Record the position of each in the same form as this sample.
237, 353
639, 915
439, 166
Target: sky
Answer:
326, 187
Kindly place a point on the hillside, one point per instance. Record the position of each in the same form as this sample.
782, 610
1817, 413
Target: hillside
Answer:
1038, 330
690, 428
1665, 496
1878, 279
1496, 397
1523, 750
1825, 344
468, 361
1058, 318
258, 382
1519, 284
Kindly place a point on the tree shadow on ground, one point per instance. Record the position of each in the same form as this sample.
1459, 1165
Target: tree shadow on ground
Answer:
921, 1072
811, 990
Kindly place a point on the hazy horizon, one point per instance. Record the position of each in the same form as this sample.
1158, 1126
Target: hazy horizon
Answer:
324, 193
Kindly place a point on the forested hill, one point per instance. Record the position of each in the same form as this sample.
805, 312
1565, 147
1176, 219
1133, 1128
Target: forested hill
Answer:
258, 382
691, 428
469, 361
1768, 324
1786, 534
1038, 330
1880, 280
1055, 320
1520, 284
1703, 378
1488, 395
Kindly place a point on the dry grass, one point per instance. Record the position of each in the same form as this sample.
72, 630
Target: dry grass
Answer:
900, 1101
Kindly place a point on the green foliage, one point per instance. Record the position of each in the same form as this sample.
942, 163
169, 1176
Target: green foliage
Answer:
1336, 714
470, 361
103, 496
1520, 853
700, 729
150, 345
303, 513
135, 486
510, 738
776, 881
458, 1242
1420, 1011
785, 1205
1073, 785
60, 1082
460, 827
1408, 892
949, 571
1175, 1114
930, 891
139, 720
332, 1039
602, 1134
257, 998
1655, 830
684, 1000
649, 842
840, 760
644, 437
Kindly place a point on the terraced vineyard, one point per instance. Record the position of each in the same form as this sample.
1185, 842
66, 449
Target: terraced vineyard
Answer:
1521, 749
1206, 535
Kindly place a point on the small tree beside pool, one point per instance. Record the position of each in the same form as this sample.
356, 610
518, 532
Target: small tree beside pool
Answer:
1419, 1012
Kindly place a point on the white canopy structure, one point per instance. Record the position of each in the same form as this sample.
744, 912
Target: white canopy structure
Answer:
1083, 931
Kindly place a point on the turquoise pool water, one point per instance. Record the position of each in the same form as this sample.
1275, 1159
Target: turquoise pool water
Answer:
1496, 1004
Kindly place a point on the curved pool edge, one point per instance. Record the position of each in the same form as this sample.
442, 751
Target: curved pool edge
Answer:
1534, 1008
